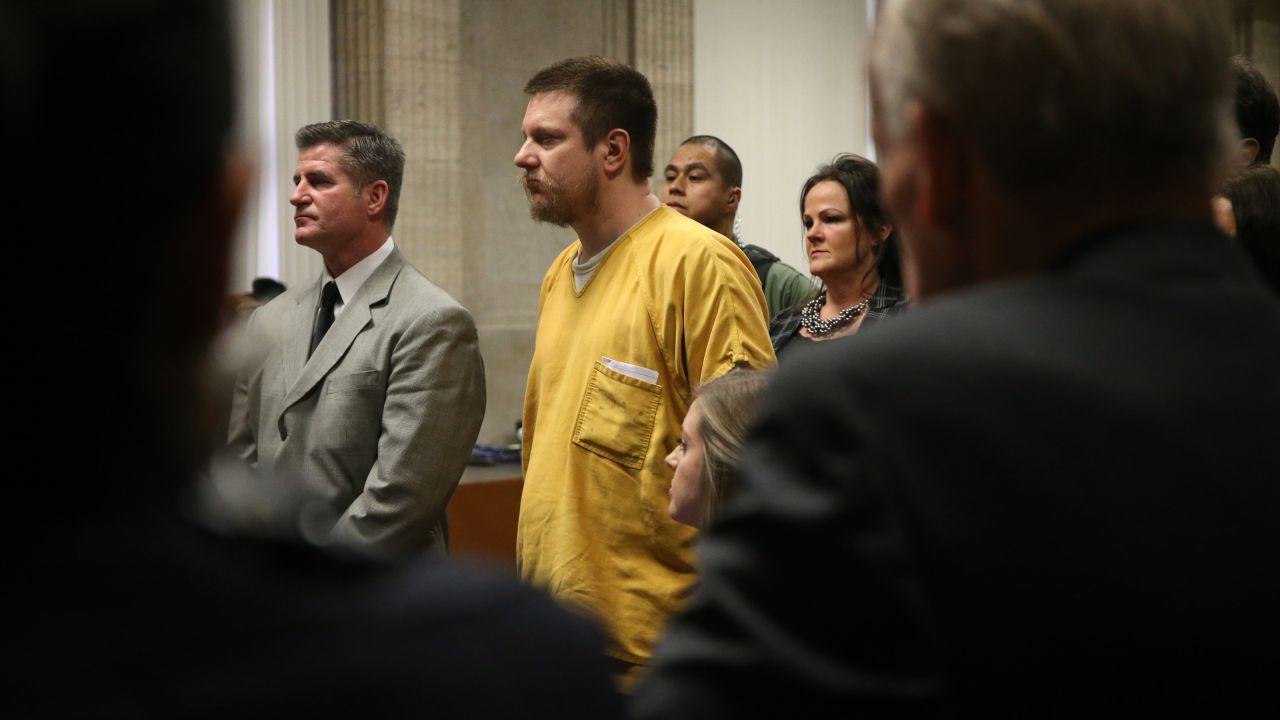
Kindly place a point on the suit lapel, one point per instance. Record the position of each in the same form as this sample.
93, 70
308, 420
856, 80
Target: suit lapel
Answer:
298, 337
355, 317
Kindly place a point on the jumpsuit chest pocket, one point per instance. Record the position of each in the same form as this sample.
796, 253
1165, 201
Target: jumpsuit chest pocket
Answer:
617, 416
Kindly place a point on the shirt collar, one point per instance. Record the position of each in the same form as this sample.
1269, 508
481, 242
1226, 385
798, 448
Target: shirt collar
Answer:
350, 282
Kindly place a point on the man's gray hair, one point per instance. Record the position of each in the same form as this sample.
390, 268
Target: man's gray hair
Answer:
369, 154
1057, 94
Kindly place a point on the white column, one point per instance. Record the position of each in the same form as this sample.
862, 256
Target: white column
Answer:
284, 84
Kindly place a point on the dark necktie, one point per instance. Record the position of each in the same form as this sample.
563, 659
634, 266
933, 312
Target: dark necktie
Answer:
324, 314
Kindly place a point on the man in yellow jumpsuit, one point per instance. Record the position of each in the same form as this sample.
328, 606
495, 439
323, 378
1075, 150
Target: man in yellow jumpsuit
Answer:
642, 308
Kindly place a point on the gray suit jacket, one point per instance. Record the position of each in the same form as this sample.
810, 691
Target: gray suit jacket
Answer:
380, 421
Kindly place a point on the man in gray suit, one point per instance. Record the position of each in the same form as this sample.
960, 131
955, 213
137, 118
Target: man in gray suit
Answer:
372, 387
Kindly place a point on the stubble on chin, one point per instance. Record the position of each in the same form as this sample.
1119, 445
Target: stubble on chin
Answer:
549, 212
561, 205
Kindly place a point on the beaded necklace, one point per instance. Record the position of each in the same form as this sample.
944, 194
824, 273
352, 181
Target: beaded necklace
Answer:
810, 319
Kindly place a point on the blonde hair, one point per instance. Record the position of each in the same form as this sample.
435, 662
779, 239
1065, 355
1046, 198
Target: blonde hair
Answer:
728, 406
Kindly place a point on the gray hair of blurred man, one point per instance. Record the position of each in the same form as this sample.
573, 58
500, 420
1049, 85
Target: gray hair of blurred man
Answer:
1077, 96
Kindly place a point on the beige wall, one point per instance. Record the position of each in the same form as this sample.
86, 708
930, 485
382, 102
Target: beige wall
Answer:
785, 85
664, 40
505, 253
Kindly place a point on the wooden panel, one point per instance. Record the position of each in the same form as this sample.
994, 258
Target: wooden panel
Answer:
482, 522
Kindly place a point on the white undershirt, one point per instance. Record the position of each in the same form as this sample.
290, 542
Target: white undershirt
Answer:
582, 272
350, 282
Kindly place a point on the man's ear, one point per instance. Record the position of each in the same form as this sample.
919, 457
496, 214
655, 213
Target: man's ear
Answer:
617, 151
735, 196
377, 193
1246, 152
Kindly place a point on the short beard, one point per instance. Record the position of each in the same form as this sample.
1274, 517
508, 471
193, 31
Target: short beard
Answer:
559, 208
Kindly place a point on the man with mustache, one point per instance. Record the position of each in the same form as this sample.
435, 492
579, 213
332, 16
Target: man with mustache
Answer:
645, 305
373, 387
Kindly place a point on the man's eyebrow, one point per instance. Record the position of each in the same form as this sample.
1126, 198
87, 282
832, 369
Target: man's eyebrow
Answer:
312, 175
691, 166
543, 129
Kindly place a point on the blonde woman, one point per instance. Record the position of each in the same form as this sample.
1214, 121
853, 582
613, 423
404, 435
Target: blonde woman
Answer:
711, 437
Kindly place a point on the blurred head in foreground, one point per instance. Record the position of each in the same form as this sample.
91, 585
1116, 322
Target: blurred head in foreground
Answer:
1113, 111
129, 196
